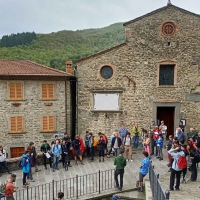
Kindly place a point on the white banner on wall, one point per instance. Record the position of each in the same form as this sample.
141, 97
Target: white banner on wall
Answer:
106, 101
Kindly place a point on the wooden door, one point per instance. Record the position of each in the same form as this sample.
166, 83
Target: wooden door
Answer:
167, 115
16, 151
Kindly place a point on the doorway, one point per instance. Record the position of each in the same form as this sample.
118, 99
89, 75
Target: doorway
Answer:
167, 115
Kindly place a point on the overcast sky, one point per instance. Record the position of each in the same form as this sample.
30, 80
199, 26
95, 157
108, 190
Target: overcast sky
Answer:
46, 16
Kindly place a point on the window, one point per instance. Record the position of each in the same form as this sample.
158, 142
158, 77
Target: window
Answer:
47, 91
166, 74
48, 124
15, 91
106, 102
16, 124
16, 152
106, 72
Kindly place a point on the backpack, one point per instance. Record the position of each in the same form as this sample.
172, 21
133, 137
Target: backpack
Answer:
95, 141
20, 166
182, 162
3, 188
197, 155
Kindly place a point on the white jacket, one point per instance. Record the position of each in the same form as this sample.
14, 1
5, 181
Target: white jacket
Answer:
2, 155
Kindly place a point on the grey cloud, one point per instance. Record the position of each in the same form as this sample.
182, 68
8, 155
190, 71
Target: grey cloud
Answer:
45, 16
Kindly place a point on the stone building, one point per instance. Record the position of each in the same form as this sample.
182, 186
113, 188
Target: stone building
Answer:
153, 75
35, 104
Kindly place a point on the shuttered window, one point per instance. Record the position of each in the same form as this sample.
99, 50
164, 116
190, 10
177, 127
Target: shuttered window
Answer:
47, 91
15, 91
16, 124
48, 123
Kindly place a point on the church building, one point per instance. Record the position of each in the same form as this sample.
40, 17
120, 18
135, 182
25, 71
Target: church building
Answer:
153, 75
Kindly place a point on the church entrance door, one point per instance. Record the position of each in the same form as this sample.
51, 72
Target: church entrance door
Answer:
167, 115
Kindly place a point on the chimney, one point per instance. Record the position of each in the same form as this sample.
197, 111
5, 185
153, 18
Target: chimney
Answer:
68, 67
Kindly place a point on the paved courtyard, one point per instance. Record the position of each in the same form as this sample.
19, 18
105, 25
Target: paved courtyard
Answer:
190, 191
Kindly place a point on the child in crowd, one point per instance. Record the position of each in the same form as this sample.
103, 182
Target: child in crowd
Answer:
147, 143
144, 169
184, 149
159, 144
101, 148
169, 146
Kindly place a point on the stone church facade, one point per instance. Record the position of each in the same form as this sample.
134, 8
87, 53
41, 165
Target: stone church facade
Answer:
153, 75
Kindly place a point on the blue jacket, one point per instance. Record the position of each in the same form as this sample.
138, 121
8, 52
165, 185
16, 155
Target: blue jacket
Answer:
26, 164
56, 150
181, 136
115, 197
113, 141
159, 143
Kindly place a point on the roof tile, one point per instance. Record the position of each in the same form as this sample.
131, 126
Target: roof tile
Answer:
28, 68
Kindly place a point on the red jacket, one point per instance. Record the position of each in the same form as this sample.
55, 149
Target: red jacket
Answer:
156, 133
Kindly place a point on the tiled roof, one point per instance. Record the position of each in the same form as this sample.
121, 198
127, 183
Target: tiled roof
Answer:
159, 10
28, 68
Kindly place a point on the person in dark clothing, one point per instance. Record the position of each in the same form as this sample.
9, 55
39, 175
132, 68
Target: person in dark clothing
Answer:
77, 151
54, 141
169, 146
86, 140
193, 167
101, 147
120, 163
91, 146
65, 154
34, 163
116, 143
181, 126
192, 134
68, 145
198, 140
151, 132
45, 148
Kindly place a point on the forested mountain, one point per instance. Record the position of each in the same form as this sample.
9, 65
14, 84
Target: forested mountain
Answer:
55, 48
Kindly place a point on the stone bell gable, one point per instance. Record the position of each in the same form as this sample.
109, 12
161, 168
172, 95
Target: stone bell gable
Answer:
155, 72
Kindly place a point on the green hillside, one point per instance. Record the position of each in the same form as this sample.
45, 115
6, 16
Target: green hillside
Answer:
55, 48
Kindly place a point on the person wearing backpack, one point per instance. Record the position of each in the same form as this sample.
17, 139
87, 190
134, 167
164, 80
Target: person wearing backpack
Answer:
10, 188
91, 146
76, 144
182, 162
68, 143
56, 151
175, 170
86, 140
127, 143
26, 167
54, 141
195, 158
105, 139
101, 147
3, 160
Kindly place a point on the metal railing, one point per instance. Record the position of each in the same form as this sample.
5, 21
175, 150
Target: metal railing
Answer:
157, 189
72, 187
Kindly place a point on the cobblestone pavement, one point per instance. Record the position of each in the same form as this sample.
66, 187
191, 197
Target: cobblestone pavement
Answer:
190, 190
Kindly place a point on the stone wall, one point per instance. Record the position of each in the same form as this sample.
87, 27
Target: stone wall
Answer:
139, 59
32, 108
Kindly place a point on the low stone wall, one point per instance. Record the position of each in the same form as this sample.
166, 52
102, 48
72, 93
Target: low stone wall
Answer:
13, 162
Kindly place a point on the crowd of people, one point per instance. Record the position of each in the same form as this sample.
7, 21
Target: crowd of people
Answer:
183, 152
